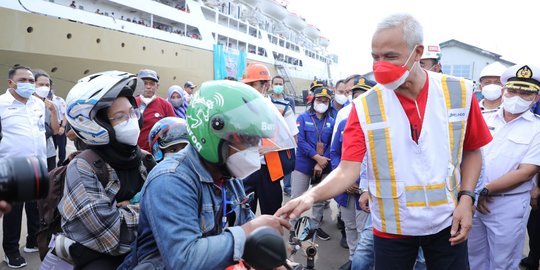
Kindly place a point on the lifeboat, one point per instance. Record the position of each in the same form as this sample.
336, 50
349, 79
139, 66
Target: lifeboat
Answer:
273, 9
324, 41
252, 3
312, 32
295, 22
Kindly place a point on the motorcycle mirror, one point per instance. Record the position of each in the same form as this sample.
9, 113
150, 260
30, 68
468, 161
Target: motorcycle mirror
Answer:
265, 249
303, 229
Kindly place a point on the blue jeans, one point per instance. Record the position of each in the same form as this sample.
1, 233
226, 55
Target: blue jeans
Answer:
402, 253
363, 257
287, 184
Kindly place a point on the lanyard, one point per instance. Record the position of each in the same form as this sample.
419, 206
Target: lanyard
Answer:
319, 134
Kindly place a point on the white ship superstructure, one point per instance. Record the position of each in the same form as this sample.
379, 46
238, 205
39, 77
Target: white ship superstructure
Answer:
70, 39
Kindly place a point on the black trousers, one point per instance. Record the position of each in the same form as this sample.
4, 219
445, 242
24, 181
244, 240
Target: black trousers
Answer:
533, 228
60, 142
12, 226
401, 253
268, 193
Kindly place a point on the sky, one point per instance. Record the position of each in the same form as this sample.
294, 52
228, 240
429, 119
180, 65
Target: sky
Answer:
509, 28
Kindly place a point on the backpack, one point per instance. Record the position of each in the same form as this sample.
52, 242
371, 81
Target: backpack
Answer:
49, 217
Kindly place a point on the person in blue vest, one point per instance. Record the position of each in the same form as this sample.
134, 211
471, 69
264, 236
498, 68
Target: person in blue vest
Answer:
313, 153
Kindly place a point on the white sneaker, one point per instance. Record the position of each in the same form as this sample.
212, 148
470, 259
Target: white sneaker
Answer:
30, 249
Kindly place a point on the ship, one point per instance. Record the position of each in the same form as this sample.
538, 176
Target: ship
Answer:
177, 38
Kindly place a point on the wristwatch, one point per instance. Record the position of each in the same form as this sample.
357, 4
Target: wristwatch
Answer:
468, 193
484, 192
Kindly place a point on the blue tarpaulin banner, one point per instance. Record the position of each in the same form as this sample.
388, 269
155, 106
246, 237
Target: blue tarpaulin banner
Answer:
228, 62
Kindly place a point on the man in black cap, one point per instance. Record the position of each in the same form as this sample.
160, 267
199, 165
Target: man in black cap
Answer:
152, 107
189, 87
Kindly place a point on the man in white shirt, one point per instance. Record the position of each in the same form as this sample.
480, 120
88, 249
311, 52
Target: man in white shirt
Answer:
23, 130
512, 160
60, 138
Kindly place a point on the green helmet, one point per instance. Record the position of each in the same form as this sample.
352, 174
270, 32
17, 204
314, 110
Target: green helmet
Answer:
225, 111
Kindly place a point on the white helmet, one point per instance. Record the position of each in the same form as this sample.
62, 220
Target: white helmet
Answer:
93, 93
432, 52
495, 69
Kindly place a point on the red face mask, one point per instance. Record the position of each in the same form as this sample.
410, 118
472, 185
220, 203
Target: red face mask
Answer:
391, 76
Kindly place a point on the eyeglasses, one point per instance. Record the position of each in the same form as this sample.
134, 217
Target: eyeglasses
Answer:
122, 118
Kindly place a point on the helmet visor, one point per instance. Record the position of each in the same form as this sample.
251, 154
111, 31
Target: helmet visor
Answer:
254, 123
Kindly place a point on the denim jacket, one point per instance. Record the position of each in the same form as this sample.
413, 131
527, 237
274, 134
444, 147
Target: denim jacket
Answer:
180, 220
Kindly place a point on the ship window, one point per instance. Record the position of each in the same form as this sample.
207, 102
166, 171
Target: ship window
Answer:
68, 36
252, 31
242, 27
252, 49
242, 46
30, 29
123, 44
86, 72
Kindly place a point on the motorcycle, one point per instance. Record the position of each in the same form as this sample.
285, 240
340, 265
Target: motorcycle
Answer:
265, 248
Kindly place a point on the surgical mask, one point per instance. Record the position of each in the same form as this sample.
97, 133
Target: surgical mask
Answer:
515, 104
127, 132
146, 100
320, 107
42, 91
341, 99
244, 162
392, 76
278, 89
25, 90
492, 91
177, 102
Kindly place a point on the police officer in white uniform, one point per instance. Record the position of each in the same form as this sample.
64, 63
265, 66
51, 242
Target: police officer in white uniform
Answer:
512, 160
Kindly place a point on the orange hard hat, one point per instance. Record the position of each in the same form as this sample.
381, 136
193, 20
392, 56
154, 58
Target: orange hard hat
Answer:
256, 72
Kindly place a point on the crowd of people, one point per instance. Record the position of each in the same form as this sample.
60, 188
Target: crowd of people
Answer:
425, 175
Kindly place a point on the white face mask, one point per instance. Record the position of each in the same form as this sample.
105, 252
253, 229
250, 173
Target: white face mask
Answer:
146, 100
127, 133
42, 91
320, 107
341, 99
515, 104
492, 91
245, 162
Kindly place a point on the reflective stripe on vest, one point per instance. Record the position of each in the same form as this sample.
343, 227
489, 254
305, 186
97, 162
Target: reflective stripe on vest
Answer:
455, 94
383, 168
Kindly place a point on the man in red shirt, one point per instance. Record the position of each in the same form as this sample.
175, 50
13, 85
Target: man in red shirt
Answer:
153, 108
419, 156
